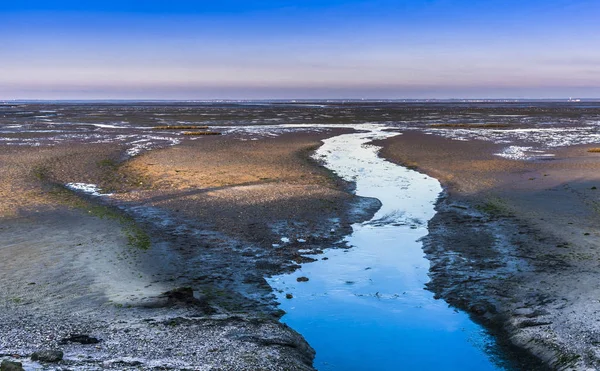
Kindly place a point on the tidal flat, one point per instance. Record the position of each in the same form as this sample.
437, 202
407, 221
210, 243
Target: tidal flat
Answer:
170, 249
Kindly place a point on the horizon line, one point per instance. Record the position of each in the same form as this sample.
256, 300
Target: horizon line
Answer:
291, 100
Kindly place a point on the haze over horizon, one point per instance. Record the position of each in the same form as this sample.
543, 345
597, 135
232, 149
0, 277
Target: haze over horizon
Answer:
233, 49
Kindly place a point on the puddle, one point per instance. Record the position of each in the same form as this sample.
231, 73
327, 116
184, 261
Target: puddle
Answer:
365, 308
90, 189
537, 140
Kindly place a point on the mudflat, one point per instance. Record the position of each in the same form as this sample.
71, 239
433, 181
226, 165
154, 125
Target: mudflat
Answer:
515, 242
168, 272
127, 245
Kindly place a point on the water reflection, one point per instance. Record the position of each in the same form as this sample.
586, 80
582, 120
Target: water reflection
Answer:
365, 308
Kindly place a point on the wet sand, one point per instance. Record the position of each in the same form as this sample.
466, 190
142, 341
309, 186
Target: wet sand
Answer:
515, 243
169, 271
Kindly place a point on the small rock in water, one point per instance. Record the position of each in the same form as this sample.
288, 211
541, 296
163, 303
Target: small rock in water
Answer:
47, 355
302, 279
289, 296
81, 339
11, 366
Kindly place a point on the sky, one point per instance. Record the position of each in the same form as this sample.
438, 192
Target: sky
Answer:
230, 49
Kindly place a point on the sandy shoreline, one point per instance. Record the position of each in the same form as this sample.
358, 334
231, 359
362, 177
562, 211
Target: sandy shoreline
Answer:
76, 264
515, 242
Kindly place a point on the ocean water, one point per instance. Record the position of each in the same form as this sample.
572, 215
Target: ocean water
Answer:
366, 307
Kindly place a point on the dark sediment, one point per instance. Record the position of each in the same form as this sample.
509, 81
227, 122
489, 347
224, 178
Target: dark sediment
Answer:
509, 245
169, 272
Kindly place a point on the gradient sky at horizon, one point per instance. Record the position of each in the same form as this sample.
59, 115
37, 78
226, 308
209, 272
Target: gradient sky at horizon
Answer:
299, 49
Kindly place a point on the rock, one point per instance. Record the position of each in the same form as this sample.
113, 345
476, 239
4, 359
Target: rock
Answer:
478, 309
11, 366
181, 295
302, 279
289, 296
184, 296
47, 355
81, 339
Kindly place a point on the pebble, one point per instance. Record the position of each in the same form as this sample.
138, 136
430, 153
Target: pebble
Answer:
47, 355
11, 366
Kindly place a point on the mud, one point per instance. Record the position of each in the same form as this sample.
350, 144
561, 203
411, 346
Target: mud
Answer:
75, 262
515, 243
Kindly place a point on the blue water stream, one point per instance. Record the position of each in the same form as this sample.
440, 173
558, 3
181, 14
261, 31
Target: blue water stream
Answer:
365, 308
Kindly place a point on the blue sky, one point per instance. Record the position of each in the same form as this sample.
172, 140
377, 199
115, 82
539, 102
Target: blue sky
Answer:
299, 49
